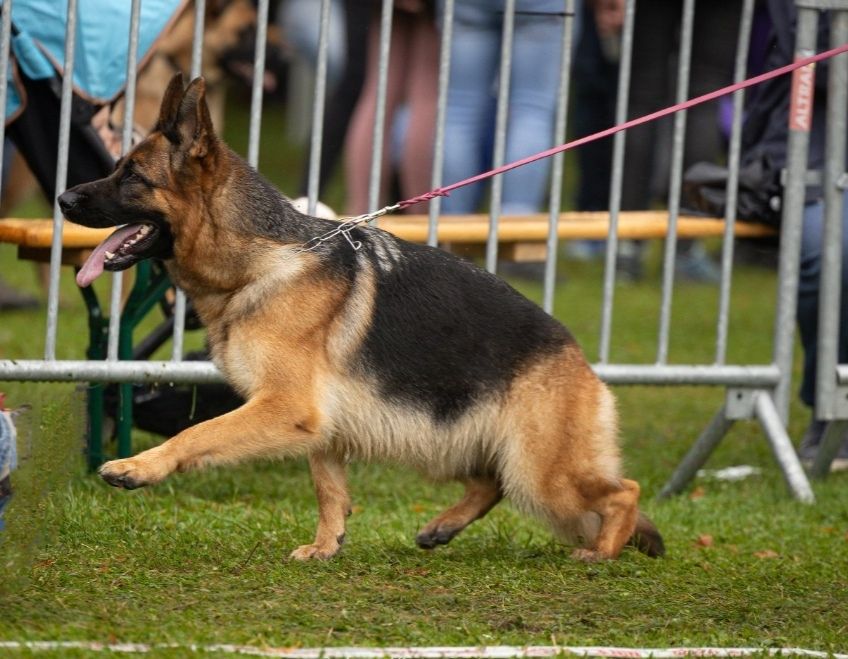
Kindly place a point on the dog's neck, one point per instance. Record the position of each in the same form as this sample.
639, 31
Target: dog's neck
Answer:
250, 227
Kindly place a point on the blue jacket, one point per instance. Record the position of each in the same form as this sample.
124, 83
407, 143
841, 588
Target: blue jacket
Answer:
102, 43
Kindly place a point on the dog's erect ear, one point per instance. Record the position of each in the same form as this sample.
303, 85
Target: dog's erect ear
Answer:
170, 105
194, 123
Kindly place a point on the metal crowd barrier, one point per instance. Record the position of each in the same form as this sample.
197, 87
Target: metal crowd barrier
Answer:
758, 391
831, 403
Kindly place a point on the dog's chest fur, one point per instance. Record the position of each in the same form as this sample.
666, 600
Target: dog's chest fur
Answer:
270, 332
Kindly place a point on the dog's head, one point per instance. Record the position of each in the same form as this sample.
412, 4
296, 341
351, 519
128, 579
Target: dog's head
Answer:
151, 186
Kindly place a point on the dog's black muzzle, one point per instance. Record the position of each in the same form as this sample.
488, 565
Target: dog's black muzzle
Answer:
69, 201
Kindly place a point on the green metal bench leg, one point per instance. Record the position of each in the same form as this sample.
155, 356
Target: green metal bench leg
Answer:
97, 338
146, 293
125, 420
94, 441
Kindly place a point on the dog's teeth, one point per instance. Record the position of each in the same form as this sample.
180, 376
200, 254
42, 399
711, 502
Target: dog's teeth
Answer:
110, 255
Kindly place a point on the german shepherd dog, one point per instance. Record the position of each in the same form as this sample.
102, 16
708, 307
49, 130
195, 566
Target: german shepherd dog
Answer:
393, 351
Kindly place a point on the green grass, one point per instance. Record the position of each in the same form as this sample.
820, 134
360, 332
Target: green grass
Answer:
202, 557
50, 440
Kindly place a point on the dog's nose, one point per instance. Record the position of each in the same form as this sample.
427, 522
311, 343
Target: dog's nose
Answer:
69, 199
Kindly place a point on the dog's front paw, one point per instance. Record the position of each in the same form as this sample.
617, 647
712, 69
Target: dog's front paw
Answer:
131, 473
315, 551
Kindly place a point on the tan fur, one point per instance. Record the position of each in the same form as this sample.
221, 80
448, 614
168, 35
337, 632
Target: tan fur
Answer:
284, 331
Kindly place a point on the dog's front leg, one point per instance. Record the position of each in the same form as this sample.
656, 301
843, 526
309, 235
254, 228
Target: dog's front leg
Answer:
328, 475
262, 427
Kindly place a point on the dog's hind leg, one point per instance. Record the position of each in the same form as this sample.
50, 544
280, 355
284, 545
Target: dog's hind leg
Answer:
618, 510
481, 495
262, 427
600, 515
328, 475
565, 464
583, 498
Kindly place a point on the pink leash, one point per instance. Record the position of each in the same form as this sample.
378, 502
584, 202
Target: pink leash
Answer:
349, 223
797, 64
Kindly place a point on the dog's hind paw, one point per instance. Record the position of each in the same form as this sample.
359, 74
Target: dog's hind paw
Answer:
315, 552
588, 555
431, 538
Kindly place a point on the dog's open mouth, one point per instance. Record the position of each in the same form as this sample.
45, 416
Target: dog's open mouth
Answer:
119, 251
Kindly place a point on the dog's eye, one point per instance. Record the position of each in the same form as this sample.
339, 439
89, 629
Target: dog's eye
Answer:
131, 177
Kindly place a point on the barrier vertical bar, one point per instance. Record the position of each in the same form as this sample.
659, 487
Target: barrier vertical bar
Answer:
835, 185
441, 114
256, 84
617, 178
675, 177
61, 180
319, 102
5, 45
734, 154
196, 68
793, 208
380, 109
831, 271
558, 159
120, 339
501, 119
126, 144
197, 38
96, 328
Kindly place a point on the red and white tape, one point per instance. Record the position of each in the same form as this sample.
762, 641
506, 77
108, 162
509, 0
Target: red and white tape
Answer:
468, 652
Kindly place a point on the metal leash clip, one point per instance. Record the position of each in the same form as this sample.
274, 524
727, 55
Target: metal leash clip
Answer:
345, 228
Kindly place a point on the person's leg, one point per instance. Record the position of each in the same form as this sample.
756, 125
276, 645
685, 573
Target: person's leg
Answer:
594, 110
474, 61
808, 297
713, 57
300, 22
342, 102
422, 87
654, 37
360, 138
534, 83
808, 313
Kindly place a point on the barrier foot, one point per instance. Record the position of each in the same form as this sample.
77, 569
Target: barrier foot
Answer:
784, 452
698, 454
830, 443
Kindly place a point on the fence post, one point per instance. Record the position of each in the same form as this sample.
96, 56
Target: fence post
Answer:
793, 209
831, 404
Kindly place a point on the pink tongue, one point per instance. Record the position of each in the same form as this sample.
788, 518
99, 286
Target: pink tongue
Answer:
93, 266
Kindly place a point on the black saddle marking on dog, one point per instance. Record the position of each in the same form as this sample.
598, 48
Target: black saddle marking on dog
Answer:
445, 332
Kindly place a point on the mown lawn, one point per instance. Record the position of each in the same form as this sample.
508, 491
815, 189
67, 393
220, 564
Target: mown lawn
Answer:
202, 557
